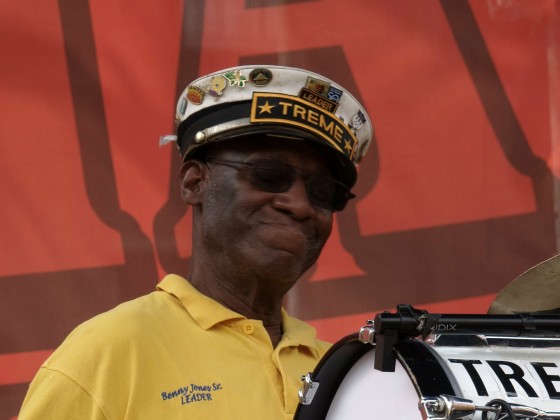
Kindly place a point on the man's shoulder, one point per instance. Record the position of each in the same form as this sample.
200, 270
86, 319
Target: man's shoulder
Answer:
134, 323
322, 346
153, 308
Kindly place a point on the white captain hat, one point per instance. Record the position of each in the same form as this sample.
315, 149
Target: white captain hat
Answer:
274, 100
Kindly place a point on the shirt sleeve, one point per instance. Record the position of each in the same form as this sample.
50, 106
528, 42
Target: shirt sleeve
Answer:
53, 395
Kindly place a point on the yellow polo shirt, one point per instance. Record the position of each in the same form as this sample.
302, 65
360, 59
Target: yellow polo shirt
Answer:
174, 354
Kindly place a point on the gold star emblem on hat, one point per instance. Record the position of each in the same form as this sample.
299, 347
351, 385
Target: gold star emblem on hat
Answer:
266, 108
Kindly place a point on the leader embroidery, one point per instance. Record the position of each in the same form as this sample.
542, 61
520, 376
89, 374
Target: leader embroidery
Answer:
192, 393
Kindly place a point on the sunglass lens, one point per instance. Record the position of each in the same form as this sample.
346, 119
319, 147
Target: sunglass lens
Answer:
272, 176
321, 191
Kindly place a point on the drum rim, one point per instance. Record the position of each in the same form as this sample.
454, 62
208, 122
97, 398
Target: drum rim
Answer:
423, 365
330, 379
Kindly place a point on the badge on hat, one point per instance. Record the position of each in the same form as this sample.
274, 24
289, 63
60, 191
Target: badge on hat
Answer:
320, 87
334, 94
260, 77
358, 120
217, 86
289, 110
183, 106
235, 78
195, 95
318, 100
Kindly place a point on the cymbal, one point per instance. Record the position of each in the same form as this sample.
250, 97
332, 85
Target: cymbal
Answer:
536, 290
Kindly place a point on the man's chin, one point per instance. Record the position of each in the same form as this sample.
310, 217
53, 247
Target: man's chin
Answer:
294, 242
288, 263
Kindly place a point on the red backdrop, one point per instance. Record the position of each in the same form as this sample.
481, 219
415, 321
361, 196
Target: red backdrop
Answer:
456, 198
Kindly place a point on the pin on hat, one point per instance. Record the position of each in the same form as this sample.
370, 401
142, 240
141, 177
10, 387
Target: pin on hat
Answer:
293, 103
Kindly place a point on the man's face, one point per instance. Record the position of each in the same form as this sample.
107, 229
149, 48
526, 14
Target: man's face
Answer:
256, 234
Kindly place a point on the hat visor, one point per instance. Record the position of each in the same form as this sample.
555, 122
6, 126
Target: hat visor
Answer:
345, 170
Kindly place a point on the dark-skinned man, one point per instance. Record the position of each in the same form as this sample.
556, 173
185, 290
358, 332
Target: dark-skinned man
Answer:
269, 154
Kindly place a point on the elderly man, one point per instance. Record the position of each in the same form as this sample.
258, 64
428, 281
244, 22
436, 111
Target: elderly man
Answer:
269, 154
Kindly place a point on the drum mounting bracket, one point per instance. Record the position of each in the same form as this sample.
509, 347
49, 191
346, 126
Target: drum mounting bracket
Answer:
409, 323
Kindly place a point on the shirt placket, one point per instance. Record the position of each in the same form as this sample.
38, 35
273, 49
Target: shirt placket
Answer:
259, 339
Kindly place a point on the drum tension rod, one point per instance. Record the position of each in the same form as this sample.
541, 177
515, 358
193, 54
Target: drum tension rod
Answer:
449, 407
520, 411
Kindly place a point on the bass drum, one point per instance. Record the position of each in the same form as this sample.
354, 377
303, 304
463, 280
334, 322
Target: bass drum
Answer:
350, 388
522, 371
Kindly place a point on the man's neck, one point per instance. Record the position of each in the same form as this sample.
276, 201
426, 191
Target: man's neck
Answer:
252, 302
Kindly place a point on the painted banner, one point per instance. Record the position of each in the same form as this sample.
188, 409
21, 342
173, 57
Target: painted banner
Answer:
457, 196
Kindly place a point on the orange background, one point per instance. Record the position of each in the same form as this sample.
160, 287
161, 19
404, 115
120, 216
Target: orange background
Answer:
456, 198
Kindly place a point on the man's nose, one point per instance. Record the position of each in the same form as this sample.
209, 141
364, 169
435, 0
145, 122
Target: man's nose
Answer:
295, 200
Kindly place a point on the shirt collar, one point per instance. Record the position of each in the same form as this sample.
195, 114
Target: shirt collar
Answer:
205, 311
299, 332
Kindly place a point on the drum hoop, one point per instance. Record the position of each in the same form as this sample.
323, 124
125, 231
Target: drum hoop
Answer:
425, 368
329, 372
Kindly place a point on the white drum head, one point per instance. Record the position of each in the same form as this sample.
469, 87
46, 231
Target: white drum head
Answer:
366, 393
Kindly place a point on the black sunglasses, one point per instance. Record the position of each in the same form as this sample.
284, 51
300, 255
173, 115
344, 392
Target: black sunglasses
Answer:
276, 177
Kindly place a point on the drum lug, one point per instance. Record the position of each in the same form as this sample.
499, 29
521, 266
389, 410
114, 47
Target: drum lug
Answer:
367, 333
307, 392
446, 407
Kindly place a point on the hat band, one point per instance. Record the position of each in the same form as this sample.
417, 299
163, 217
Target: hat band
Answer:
280, 108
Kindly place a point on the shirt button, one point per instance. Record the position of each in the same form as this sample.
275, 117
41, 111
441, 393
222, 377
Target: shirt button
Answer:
248, 328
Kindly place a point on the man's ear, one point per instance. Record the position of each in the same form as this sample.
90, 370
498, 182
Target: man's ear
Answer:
193, 175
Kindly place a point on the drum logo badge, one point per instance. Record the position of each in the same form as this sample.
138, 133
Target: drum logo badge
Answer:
445, 327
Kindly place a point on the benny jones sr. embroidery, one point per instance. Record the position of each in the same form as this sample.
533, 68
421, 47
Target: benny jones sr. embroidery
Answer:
192, 393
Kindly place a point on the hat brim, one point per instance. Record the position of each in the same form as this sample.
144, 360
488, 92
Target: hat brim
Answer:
232, 123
